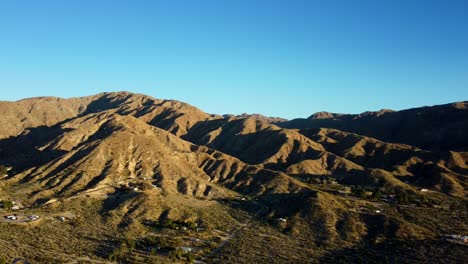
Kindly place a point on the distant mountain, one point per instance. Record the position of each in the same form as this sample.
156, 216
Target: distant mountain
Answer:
441, 127
351, 158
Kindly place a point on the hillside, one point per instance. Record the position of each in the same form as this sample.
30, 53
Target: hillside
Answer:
349, 158
127, 178
441, 127
171, 115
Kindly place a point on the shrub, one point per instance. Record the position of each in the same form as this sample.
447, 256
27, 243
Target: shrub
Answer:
377, 195
3, 170
359, 192
190, 258
176, 254
7, 204
403, 198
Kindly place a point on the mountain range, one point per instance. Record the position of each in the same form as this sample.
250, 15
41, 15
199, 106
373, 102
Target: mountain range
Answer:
328, 188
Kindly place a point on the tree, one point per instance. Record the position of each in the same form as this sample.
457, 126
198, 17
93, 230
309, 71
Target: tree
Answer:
7, 204
403, 198
377, 195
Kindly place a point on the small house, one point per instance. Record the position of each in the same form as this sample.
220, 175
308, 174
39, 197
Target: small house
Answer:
34, 217
186, 249
11, 217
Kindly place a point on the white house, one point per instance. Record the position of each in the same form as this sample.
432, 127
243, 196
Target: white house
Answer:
11, 217
186, 249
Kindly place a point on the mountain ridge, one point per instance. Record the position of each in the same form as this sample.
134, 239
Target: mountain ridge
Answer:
135, 164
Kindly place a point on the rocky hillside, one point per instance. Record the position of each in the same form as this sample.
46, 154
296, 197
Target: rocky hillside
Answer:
441, 127
171, 115
59, 133
147, 163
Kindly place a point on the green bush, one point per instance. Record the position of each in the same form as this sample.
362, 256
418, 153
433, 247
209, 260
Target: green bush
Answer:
7, 204
403, 198
377, 195
190, 258
176, 254
175, 224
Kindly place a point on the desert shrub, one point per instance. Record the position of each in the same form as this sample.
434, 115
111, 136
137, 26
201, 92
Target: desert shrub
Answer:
403, 198
176, 254
174, 224
212, 245
358, 191
377, 195
126, 247
3, 170
6, 204
131, 244
190, 258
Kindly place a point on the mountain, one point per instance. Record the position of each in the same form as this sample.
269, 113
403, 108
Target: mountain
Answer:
349, 158
129, 178
441, 127
171, 115
104, 149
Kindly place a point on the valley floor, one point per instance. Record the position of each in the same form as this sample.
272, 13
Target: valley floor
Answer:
249, 235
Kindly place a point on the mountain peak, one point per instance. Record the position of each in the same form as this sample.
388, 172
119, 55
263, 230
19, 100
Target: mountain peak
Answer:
323, 115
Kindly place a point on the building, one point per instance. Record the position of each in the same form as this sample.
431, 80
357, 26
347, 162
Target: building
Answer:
11, 217
34, 217
186, 249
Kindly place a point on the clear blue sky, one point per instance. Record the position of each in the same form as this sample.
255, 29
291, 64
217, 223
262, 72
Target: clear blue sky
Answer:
281, 58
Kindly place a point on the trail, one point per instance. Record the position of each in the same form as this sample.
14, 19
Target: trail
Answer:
239, 230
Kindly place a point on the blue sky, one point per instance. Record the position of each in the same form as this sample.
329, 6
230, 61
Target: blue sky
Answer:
279, 58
